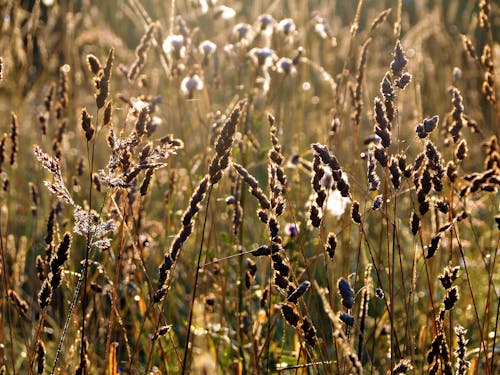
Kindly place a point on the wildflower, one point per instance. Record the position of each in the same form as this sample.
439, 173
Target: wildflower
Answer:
285, 66
291, 229
243, 32
191, 83
286, 26
207, 47
174, 45
266, 22
263, 57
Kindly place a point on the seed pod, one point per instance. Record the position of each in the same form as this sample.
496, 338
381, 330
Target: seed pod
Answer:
299, 292
346, 293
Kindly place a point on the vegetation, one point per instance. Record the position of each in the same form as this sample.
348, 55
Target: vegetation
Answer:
249, 187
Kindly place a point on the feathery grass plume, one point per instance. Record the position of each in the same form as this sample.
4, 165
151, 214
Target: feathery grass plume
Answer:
63, 93
387, 91
298, 292
250, 273
290, 313
56, 187
339, 335
457, 120
93, 64
492, 158
380, 155
253, 186
381, 127
45, 294
35, 198
19, 302
363, 311
102, 82
355, 215
2, 150
58, 260
433, 246
356, 92
402, 367
40, 267
107, 114
378, 201
347, 319
331, 245
13, 138
399, 61
461, 150
276, 173
346, 293
87, 126
488, 86
451, 298
373, 179
140, 52
484, 13
461, 366
395, 172
308, 331
223, 145
40, 354
427, 126
180, 238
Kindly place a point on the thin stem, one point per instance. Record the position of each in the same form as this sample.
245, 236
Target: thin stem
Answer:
185, 367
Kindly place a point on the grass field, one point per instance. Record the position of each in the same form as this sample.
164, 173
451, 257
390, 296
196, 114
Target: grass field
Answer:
249, 187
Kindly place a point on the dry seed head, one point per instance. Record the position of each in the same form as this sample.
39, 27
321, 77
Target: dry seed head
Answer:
290, 313
308, 331
13, 138
20, 303
433, 246
346, 293
331, 245
45, 294
103, 81
40, 357
449, 275
347, 319
140, 52
402, 367
462, 366
399, 61
94, 64
355, 215
484, 14
451, 298
299, 292
461, 150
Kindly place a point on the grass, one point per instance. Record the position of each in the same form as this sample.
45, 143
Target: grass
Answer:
297, 187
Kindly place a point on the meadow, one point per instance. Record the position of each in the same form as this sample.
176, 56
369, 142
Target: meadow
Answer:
249, 187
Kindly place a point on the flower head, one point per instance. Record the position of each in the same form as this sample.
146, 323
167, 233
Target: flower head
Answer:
286, 26
285, 65
263, 57
291, 229
190, 84
174, 45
